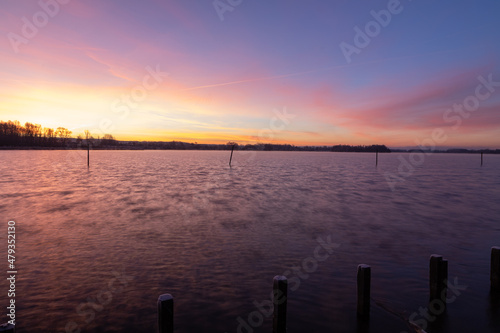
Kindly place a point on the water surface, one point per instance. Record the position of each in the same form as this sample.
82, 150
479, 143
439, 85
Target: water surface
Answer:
96, 247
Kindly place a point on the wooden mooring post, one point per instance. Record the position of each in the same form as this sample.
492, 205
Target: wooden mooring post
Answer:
438, 278
231, 158
364, 279
438, 288
280, 298
495, 268
7, 328
165, 313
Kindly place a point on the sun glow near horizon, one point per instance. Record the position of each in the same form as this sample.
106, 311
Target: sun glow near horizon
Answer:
177, 72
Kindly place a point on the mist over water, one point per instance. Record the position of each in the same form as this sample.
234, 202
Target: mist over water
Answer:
96, 247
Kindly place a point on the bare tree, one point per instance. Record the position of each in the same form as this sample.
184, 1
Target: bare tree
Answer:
79, 140
64, 134
108, 140
49, 135
88, 137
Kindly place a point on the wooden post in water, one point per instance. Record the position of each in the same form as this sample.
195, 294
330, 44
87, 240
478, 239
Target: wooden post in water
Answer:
438, 276
87, 137
444, 279
364, 278
495, 268
280, 297
230, 159
376, 159
7, 328
165, 313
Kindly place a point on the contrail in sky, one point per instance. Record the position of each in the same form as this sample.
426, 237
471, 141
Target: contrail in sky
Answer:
307, 72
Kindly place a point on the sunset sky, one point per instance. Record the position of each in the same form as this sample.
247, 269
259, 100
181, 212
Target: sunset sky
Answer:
256, 71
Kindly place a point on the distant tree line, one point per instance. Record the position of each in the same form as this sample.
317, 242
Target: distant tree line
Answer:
178, 145
13, 134
449, 151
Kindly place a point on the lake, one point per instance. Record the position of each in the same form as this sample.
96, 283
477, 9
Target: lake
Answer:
96, 247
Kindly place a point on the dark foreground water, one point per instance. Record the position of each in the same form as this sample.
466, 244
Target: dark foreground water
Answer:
95, 248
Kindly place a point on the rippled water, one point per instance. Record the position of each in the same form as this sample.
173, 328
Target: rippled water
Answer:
95, 248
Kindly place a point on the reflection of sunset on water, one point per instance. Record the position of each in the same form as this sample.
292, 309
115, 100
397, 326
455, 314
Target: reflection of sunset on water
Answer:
185, 223
206, 149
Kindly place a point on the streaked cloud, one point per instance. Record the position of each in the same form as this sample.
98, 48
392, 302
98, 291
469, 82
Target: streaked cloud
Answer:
226, 78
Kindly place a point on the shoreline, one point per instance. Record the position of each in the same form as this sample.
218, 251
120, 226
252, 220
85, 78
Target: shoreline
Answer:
319, 149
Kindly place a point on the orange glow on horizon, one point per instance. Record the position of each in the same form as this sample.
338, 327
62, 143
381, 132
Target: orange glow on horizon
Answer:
156, 78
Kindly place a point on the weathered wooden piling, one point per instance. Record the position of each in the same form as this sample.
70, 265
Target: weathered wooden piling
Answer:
438, 277
7, 328
165, 313
364, 278
444, 279
231, 158
495, 268
87, 137
280, 297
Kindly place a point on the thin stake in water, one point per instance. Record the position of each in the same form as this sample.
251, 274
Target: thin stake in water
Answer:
231, 158
88, 137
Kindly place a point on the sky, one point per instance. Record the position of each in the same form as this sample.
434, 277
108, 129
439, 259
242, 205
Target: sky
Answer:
400, 73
